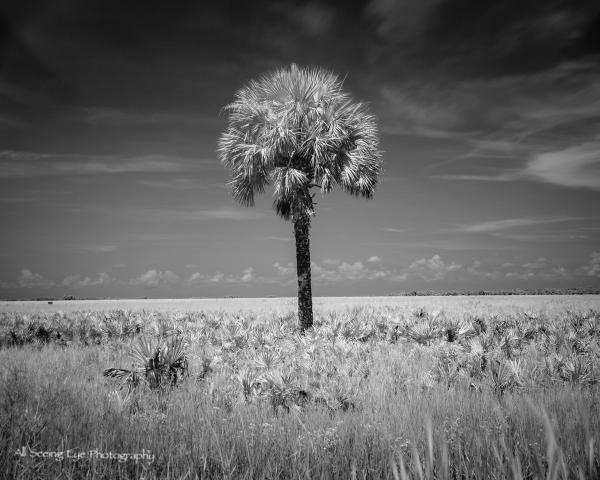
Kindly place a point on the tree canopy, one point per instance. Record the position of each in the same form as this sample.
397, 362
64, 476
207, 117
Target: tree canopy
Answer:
295, 128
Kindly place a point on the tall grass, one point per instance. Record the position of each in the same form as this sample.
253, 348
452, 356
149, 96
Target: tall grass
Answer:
371, 393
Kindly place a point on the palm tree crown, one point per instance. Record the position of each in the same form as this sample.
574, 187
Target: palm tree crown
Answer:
295, 128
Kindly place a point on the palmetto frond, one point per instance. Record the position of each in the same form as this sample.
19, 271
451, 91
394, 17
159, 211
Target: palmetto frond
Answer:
146, 351
131, 378
159, 360
295, 128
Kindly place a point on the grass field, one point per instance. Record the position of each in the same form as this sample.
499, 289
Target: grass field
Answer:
387, 387
455, 305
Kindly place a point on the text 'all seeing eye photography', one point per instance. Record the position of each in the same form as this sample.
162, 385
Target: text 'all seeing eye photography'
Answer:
294, 239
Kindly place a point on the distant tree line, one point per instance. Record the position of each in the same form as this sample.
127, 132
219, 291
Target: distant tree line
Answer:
514, 291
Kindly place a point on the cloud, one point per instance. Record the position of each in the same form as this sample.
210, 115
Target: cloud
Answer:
510, 223
284, 270
466, 38
15, 164
332, 270
198, 277
189, 214
216, 277
592, 269
120, 118
433, 268
246, 276
552, 273
331, 262
538, 269
374, 259
173, 183
23, 199
414, 110
155, 278
404, 20
278, 239
78, 281
562, 236
352, 271
223, 213
475, 270
577, 166
517, 127
313, 18
99, 248
155, 237
477, 178
29, 279
536, 265
7, 122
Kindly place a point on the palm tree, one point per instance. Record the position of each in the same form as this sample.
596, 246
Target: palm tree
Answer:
295, 128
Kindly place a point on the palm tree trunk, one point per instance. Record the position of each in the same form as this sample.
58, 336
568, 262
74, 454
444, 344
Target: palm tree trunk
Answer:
301, 232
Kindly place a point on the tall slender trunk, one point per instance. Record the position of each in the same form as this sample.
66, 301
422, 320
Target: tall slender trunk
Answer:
301, 232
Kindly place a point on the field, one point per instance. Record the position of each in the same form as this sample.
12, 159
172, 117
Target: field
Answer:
454, 305
386, 387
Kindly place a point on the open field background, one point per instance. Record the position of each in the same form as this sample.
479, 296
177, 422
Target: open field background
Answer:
455, 305
389, 387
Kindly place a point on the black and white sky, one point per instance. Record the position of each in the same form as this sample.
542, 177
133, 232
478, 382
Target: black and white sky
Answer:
110, 112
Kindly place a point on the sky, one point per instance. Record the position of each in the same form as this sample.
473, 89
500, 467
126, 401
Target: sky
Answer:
110, 113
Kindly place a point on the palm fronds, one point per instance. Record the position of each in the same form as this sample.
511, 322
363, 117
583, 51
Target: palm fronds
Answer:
296, 128
159, 361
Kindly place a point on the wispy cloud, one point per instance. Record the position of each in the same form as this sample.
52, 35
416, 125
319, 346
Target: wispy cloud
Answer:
187, 214
222, 213
278, 239
504, 177
412, 110
173, 183
15, 164
577, 166
543, 131
312, 18
99, 248
129, 118
156, 237
510, 223
8, 122
563, 236
19, 200
180, 183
